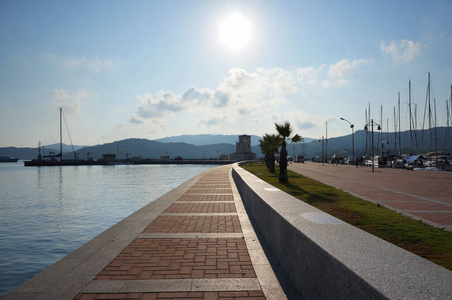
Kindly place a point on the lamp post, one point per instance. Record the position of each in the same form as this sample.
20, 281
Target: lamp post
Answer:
353, 135
323, 157
372, 123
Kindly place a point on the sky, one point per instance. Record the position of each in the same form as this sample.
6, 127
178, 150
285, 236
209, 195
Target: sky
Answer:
152, 69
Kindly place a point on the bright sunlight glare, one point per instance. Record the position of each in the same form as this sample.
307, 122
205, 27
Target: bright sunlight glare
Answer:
235, 32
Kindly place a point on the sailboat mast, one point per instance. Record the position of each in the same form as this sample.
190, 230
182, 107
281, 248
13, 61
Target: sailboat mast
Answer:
409, 108
429, 116
434, 122
368, 117
61, 135
395, 132
450, 116
418, 147
365, 117
447, 136
400, 146
380, 138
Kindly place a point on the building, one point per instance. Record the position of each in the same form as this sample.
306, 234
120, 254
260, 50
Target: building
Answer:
109, 157
243, 149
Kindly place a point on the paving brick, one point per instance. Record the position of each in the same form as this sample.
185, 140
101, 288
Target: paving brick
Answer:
201, 224
186, 197
201, 208
187, 258
236, 295
164, 266
210, 191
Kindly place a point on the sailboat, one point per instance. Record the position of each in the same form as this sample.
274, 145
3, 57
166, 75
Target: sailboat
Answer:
51, 159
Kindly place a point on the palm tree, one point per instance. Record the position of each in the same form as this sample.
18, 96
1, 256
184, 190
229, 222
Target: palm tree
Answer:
296, 138
264, 145
269, 146
284, 131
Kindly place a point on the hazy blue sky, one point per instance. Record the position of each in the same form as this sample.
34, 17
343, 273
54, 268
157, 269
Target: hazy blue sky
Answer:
150, 69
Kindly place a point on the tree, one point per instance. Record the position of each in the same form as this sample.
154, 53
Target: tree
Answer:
269, 146
284, 131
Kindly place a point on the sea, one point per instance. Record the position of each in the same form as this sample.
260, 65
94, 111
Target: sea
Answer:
48, 212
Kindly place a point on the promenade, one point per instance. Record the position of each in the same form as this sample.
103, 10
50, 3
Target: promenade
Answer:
423, 195
196, 242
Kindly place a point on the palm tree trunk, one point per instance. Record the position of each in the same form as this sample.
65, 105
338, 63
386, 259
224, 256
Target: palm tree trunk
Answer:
283, 178
271, 166
267, 159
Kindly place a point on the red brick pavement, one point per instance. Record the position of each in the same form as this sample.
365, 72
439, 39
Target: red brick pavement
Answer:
425, 195
226, 197
204, 208
251, 295
201, 208
209, 191
181, 258
198, 224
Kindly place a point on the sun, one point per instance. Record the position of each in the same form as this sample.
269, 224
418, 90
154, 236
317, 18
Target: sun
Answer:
235, 32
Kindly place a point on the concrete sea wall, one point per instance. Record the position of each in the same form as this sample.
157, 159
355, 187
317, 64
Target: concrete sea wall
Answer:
329, 259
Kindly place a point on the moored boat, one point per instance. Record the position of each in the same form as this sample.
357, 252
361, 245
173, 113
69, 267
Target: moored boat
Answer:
8, 159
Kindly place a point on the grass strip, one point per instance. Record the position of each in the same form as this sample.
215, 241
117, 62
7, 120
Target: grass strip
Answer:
431, 243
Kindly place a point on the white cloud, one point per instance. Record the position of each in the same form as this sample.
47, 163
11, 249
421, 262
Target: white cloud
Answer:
338, 71
242, 94
308, 76
154, 108
70, 101
212, 121
405, 50
343, 67
301, 120
95, 64
328, 83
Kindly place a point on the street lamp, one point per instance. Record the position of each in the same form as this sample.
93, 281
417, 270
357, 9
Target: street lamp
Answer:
323, 156
304, 147
353, 135
372, 123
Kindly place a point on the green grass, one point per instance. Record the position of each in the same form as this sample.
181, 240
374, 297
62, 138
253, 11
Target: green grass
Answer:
415, 236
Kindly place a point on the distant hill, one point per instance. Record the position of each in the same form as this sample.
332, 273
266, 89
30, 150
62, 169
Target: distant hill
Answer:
156, 148
153, 149
343, 144
20, 153
207, 139
66, 148
131, 148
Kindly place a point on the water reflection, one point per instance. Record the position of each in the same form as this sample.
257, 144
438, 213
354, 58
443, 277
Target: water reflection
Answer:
59, 204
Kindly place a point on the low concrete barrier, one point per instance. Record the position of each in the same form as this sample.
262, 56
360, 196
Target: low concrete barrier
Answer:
327, 258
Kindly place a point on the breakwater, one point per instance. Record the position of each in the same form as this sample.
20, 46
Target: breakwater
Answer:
53, 163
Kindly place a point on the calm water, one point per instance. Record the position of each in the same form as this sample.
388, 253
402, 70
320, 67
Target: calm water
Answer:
47, 212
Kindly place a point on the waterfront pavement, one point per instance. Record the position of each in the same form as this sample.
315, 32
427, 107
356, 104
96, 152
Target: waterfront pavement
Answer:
196, 242
423, 195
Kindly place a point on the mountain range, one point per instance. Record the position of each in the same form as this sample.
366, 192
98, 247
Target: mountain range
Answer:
212, 146
185, 146
207, 139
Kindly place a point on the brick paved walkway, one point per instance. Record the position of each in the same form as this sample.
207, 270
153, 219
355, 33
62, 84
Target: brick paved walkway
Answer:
201, 247
423, 195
